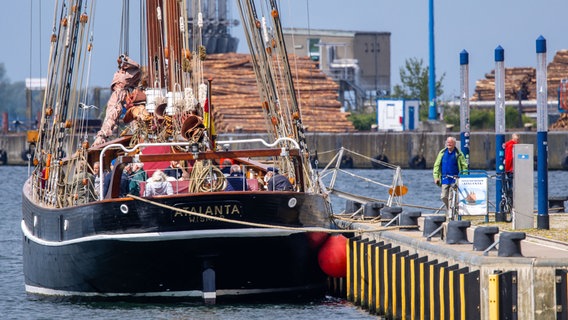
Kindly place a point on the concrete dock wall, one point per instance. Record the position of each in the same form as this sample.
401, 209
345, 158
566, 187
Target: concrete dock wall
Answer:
530, 293
398, 147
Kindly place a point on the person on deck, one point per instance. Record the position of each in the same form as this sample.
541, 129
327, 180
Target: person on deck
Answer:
158, 185
107, 176
124, 180
174, 171
95, 179
449, 163
276, 181
138, 175
226, 166
236, 180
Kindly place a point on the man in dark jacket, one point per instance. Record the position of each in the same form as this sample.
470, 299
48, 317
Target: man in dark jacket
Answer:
236, 180
276, 181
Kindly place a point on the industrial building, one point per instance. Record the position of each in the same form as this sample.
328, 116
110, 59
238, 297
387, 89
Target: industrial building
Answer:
358, 60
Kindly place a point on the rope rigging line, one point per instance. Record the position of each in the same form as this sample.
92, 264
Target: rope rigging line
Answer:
363, 178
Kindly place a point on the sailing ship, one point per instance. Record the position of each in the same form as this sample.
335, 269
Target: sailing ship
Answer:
91, 230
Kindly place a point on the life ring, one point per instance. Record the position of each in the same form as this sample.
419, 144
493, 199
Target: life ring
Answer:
346, 162
417, 162
382, 158
565, 163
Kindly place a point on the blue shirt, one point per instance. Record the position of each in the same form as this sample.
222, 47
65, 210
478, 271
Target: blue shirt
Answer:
449, 166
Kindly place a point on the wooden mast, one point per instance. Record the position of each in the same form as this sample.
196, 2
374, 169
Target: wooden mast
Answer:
164, 44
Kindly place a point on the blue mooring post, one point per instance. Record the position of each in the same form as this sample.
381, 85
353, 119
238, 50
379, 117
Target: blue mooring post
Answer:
464, 104
432, 114
499, 126
542, 134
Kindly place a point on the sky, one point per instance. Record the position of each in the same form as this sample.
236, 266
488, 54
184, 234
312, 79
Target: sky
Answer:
478, 27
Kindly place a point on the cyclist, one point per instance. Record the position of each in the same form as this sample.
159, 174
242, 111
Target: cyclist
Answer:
449, 163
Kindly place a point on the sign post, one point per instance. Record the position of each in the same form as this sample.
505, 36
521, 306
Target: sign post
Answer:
523, 186
472, 189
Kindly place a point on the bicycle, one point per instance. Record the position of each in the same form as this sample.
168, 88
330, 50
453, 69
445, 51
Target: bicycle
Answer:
506, 202
453, 200
452, 211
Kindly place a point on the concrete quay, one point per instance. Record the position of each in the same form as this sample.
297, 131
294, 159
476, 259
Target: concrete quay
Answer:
535, 289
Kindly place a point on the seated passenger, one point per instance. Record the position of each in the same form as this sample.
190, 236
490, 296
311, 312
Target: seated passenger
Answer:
276, 181
174, 171
95, 180
106, 178
236, 180
124, 180
138, 174
226, 167
158, 185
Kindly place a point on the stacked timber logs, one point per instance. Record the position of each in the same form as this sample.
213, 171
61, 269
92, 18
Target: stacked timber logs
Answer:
516, 78
560, 124
556, 71
237, 106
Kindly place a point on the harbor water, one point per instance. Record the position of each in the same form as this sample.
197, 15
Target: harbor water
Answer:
16, 304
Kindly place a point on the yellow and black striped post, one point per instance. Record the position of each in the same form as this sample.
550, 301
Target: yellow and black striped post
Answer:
390, 282
351, 263
371, 276
493, 296
388, 273
503, 295
398, 282
457, 295
364, 246
407, 285
380, 277
446, 292
416, 270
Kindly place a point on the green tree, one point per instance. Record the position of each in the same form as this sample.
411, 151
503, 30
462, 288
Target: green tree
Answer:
363, 121
414, 79
483, 119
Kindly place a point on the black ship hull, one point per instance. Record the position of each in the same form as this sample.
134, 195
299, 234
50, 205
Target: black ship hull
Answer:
131, 248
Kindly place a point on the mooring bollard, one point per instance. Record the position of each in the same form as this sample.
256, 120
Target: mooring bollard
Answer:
483, 237
409, 218
510, 244
389, 213
432, 224
457, 232
372, 209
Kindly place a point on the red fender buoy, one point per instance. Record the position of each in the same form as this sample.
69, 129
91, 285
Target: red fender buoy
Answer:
332, 256
316, 239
